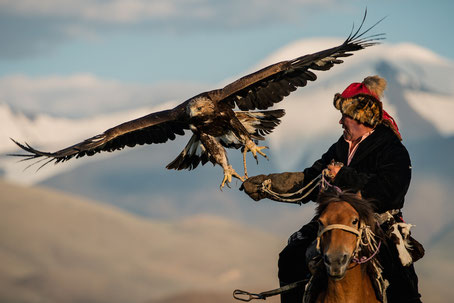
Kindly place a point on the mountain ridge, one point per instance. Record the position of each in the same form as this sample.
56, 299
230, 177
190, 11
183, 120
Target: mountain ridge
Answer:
59, 248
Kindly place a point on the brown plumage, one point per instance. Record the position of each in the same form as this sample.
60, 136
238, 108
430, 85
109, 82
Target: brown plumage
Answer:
210, 115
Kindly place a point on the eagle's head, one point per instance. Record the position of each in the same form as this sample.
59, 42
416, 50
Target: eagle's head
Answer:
200, 107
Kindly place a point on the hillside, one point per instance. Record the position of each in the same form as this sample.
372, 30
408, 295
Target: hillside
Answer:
59, 248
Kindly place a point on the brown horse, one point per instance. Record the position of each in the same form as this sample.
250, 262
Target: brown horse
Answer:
347, 246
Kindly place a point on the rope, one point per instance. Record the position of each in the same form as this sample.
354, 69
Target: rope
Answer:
284, 197
364, 259
326, 184
246, 296
321, 180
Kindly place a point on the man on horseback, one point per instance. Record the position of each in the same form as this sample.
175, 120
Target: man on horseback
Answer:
369, 158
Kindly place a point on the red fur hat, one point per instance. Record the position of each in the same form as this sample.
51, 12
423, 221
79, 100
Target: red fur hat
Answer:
361, 102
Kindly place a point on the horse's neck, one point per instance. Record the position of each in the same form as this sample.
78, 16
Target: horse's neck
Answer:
354, 287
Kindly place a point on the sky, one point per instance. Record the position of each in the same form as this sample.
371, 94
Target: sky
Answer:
62, 43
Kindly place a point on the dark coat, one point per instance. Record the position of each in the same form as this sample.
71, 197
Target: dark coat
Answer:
380, 169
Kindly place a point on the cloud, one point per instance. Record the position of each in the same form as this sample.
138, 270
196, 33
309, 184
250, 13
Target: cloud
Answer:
130, 11
29, 27
82, 95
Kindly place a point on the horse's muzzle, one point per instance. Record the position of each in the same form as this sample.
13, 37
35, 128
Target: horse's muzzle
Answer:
336, 264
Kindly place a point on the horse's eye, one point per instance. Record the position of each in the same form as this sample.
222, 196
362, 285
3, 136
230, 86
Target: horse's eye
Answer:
355, 221
320, 223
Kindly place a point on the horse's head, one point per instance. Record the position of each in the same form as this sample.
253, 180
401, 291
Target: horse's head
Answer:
341, 217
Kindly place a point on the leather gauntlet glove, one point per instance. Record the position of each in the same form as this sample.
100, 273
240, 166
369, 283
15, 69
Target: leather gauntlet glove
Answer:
281, 183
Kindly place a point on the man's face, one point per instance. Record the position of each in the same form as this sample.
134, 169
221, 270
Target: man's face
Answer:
353, 130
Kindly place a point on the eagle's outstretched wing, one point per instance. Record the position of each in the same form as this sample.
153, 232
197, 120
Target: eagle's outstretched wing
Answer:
157, 127
264, 88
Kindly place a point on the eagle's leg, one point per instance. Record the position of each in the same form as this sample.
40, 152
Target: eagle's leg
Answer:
251, 146
218, 152
219, 156
229, 172
244, 163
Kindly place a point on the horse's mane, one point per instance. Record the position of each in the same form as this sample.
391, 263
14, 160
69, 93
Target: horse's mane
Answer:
363, 207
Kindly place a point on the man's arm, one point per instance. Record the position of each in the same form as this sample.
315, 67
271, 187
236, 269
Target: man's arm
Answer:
388, 186
289, 182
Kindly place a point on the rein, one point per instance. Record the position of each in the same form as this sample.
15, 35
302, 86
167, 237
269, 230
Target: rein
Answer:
364, 259
287, 197
246, 296
297, 196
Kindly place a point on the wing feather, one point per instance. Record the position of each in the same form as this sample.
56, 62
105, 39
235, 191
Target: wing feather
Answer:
158, 127
264, 88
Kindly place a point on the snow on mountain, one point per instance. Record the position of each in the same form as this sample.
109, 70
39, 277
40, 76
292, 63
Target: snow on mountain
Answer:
419, 96
436, 108
84, 95
50, 133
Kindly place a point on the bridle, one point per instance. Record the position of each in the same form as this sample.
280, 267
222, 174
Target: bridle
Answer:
364, 237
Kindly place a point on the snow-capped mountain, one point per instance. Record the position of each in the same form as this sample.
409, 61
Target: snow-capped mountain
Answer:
53, 133
419, 96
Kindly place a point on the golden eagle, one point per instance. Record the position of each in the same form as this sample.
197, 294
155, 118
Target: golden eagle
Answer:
211, 118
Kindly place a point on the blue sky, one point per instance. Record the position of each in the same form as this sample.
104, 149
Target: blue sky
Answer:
199, 41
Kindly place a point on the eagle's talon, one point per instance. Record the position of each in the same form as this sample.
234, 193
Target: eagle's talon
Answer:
258, 150
229, 172
251, 146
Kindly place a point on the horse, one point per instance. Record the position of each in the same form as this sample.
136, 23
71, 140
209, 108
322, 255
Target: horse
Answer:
347, 243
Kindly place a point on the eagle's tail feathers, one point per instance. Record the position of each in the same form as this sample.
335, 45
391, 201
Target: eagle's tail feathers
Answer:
193, 154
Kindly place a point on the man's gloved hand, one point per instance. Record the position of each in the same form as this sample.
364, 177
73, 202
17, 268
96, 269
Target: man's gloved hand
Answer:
253, 187
280, 183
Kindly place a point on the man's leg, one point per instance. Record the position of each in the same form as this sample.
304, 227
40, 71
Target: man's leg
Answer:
403, 281
404, 285
292, 268
292, 262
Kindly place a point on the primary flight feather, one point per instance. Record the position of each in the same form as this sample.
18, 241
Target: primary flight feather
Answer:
211, 118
